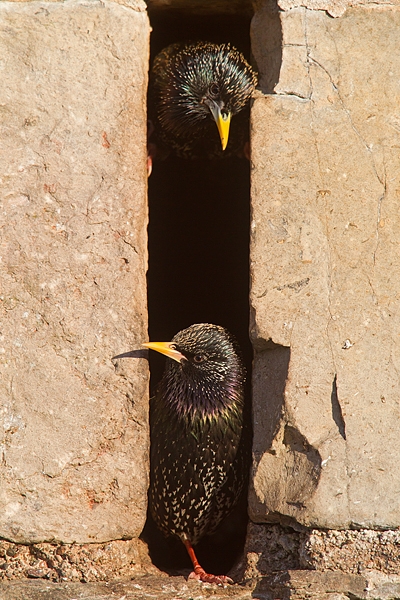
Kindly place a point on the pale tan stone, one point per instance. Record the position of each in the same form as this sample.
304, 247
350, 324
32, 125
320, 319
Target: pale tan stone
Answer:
118, 559
270, 548
297, 585
73, 262
324, 266
336, 8
352, 551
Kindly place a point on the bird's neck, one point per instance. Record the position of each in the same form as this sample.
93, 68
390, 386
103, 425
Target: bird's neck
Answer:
201, 399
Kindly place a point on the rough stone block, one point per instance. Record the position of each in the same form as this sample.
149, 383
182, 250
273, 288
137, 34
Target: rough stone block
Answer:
324, 267
309, 585
351, 551
293, 585
114, 560
74, 449
271, 548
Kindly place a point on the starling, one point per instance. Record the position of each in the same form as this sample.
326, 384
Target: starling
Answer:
199, 445
195, 91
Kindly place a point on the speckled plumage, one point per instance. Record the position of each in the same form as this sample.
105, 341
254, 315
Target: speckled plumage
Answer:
184, 79
198, 450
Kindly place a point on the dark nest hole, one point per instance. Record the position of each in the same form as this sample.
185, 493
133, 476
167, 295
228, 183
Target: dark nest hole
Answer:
199, 221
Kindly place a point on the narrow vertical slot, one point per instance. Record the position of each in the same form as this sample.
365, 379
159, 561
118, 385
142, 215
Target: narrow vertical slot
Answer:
199, 221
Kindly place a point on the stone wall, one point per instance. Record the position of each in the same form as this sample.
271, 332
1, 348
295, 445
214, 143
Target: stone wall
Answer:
74, 443
324, 266
324, 291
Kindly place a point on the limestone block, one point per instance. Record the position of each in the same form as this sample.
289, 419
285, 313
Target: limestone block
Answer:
311, 585
114, 560
296, 585
270, 548
74, 448
325, 264
335, 8
351, 551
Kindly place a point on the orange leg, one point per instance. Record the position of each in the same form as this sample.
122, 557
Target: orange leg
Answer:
198, 571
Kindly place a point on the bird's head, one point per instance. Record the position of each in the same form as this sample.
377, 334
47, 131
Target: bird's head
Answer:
205, 366
206, 81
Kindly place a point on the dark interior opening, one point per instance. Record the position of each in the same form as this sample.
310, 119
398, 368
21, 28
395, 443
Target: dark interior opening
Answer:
199, 220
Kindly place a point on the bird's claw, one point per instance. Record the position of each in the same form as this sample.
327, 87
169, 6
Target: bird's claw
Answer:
149, 165
151, 148
201, 575
151, 153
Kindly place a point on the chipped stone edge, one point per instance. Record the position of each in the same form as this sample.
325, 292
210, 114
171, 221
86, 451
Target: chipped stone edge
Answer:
136, 5
336, 8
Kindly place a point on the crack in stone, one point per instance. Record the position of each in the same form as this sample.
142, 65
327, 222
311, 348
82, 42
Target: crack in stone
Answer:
374, 296
378, 5
379, 210
296, 286
337, 413
123, 238
293, 94
382, 181
310, 61
128, 243
346, 110
68, 337
76, 463
393, 362
308, 53
348, 114
112, 48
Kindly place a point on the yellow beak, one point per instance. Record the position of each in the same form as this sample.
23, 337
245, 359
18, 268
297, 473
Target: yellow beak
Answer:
223, 122
165, 348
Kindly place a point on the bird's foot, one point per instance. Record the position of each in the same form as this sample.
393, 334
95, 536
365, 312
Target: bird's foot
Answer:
200, 574
151, 148
151, 152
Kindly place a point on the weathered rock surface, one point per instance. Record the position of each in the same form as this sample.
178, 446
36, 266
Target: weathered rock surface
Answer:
159, 588
271, 548
324, 265
351, 551
311, 585
74, 446
335, 8
268, 549
300, 585
119, 559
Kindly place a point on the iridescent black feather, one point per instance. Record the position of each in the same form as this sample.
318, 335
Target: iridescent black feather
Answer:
199, 447
183, 79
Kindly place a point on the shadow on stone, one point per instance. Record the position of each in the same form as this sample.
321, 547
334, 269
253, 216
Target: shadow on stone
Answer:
266, 44
337, 414
270, 370
132, 354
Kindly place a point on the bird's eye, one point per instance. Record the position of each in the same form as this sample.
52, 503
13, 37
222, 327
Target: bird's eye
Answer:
214, 89
198, 358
